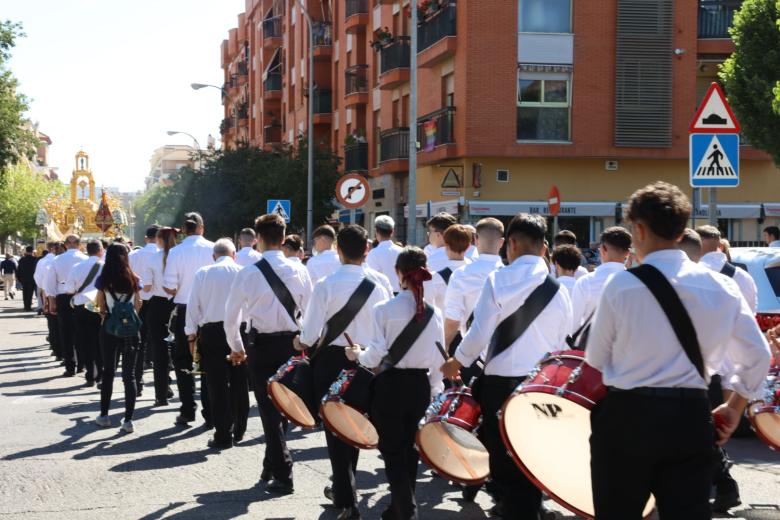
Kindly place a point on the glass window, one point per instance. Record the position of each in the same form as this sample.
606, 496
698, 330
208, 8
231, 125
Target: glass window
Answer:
555, 91
530, 90
545, 16
543, 109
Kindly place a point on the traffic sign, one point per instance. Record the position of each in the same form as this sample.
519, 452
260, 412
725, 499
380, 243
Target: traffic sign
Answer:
352, 190
714, 160
714, 115
554, 201
279, 207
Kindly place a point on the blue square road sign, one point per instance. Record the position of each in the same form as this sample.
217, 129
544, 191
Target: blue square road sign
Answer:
714, 160
279, 207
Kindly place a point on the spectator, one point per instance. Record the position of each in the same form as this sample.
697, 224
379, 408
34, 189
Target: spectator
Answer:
25, 274
8, 269
772, 236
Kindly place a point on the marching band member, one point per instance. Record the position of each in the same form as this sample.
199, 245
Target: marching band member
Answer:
81, 280
436, 226
613, 251
457, 239
382, 257
40, 276
472, 253
568, 238
330, 295
510, 359
272, 327
383, 280
566, 260
138, 260
402, 392
183, 262
653, 432
690, 243
227, 386
713, 258
292, 247
247, 254
326, 261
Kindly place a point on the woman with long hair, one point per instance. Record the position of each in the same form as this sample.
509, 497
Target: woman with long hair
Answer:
117, 283
160, 308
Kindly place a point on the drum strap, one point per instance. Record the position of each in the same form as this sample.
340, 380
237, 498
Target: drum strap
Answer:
277, 286
675, 311
514, 325
729, 270
406, 339
90, 276
445, 274
339, 322
581, 334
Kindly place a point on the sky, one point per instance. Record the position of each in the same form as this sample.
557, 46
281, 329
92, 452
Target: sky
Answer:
113, 77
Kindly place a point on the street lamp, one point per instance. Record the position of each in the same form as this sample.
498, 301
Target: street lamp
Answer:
411, 223
175, 132
310, 175
198, 86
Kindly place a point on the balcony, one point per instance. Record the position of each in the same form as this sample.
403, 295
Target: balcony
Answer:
356, 16
715, 18
243, 68
394, 146
242, 114
272, 86
272, 32
272, 134
323, 39
226, 126
355, 86
356, 157
436, 135
395, 58
323, 107
437, 36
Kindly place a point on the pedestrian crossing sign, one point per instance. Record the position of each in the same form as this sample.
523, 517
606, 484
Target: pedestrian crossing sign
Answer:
279, 207
714, 160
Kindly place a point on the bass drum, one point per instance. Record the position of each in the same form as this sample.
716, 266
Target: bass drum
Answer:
291, 390
764, 415
545, 425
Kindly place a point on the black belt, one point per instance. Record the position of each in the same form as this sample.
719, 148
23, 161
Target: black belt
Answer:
159, 298
409, 370
213, 325
668, 393
501, 381
281, 334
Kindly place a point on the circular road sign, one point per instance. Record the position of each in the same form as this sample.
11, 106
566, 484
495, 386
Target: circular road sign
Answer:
352, 191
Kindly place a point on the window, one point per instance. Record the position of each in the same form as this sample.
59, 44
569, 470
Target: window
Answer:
502, 175
545, 16
543, 107
448, 90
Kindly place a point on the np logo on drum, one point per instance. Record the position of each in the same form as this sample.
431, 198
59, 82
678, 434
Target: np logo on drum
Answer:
547, 410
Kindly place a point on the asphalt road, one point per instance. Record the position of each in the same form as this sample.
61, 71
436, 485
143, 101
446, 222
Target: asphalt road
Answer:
54, 462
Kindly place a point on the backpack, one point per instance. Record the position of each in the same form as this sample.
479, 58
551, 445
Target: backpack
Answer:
123, 321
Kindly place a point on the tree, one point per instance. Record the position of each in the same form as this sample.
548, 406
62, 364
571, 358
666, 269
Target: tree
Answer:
22, 193
17, 141
750, 75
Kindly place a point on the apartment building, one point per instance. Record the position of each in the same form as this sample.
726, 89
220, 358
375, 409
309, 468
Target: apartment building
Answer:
513, 97
167, 160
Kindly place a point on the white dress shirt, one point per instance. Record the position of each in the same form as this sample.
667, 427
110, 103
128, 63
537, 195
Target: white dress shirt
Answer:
472, 253
41, 270
587, 291
383, 280
429, 249
329, 296
209, 293
633, 343
382, 258
59, 270
437, 260
436, 288
77, 277
579, 273
323, 264
465, 285
774, 243
745, 282
138, 260
183, 262
567, 281
247, 256
389, 319
504, 292
154, 275
263, 310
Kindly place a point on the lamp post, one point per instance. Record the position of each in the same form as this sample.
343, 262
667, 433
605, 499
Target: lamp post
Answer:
175, 132
198, 86
411, 223
310, 175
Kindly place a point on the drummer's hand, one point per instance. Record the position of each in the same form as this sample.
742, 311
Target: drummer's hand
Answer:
451, 368
236, 358
297, 345
352, 353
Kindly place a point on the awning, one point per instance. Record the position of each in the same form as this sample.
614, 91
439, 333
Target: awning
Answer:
733, 211
446, 206
506, 208
772, 209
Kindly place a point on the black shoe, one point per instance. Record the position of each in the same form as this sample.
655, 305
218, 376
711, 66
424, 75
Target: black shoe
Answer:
278, 487
238, 438
215, 445
266, 475
182, 420
170, 394
68, 373
89, 384
79, 370
725, 501
99, 385
349, 513
470, 493
328, 492
139, 392
160, 402
208, 425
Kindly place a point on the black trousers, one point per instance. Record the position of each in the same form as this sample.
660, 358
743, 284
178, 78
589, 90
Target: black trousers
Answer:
112, 347
327, 366
265, 354
67, 325
139, 359
88, 338
520, 499
646, 444
227, 384
156, 331
185, 381
400, 398
28, 289
722, 479
53, 325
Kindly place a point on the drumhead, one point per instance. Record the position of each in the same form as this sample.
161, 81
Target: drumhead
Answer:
349, 425
766, 422
290, 405
549, 438
453, 452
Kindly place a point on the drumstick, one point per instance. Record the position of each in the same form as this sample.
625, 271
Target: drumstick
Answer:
442, 351
349, 340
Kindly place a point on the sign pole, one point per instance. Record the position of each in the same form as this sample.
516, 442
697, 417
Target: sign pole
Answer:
713, 207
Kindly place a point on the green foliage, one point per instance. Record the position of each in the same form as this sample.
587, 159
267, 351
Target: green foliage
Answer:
22, 193
16, 141
230, 189
750, 75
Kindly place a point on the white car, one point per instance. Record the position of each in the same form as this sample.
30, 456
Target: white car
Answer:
763, 264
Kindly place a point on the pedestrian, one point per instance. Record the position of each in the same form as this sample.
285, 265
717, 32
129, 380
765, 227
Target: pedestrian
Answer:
26, 276
81, 282
119, 300
771, 236
382, 257
138, 259
8, 269
247, 255
325, 260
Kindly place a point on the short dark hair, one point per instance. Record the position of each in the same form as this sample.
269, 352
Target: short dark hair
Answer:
529, 227
94, 247
270, 228
192, 221
441, 221
565, 237
690, 240
567, 256
293, 242
247, 233
617, 237
708, 231
773, 231
662, 207
28, 249
326, 230
353, 241
410, 258
151, 231
458, 238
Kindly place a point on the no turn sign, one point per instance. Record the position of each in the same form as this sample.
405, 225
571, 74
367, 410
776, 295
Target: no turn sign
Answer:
352, 191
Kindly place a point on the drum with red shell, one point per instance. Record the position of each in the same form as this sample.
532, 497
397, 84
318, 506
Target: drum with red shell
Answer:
764, 414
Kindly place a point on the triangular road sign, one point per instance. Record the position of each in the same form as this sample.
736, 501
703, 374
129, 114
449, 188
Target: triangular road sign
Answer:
279, 210
714, 115
451, 180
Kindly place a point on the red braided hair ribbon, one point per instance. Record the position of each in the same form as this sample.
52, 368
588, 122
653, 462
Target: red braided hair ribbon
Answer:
414, 280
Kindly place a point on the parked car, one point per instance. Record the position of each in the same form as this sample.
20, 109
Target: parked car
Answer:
763, 264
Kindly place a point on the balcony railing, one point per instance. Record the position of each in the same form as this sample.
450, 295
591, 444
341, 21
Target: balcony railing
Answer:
356, 79
396, 55
394, 144
272, 27
439, 25
272, 134
356, 7
716, 16
323, 103
272, 82
242, 112
323, 34
356, 157
436, 129
243, 68
226, 125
